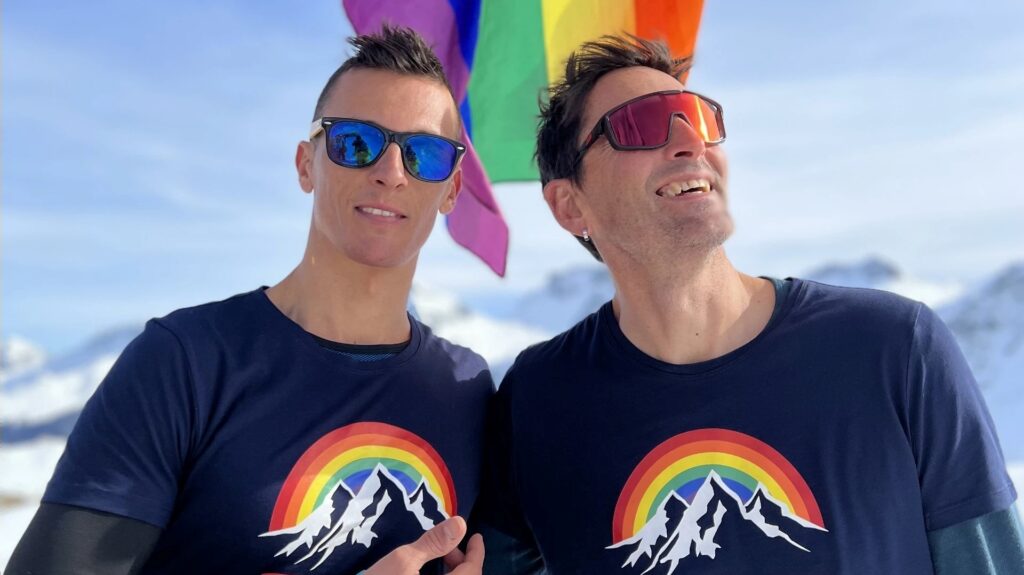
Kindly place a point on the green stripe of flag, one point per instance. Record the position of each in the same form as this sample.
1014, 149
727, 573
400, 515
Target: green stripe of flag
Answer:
509, 74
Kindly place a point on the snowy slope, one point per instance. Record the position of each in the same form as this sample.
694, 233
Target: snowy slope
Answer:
45, 400
18, 355
878, 273
567, 297
498, 341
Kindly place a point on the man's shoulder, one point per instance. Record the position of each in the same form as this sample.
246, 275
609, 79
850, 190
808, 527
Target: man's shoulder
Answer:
463, 358
852, 306
211, 320
562, 351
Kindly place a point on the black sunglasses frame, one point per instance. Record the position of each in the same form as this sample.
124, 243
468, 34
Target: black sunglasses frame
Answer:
603, 125
324, 123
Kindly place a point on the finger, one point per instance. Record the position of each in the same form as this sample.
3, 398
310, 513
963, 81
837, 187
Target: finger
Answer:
439, 540
475, 550
474, 562
454, 559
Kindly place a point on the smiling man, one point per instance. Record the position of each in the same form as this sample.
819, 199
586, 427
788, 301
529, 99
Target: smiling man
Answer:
709, 421
314, 425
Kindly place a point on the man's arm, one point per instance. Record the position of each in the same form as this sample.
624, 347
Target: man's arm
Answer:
115, 485
992, 544
508, 555
90, 542
966, 494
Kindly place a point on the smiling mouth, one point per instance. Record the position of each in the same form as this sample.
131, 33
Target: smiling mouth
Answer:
379, 212
674, 189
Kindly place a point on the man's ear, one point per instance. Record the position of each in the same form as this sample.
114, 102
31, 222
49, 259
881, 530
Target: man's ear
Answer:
563, 199
304, 165
448, 203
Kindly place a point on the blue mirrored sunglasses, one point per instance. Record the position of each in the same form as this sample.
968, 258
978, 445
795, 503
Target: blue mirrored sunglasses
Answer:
359, 144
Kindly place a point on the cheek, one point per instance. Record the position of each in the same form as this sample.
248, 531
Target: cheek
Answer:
328, 203
719, 162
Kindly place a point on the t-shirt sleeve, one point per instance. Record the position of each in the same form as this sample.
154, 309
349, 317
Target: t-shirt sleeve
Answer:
992, 544
960, 464
126, 452
498, 516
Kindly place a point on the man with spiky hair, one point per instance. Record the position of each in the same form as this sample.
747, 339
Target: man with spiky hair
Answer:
313, 426
709, 421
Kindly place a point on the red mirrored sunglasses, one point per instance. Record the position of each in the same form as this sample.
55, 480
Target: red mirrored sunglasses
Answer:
645, 123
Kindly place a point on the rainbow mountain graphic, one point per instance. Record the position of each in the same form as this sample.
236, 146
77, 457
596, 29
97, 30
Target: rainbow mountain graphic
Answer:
345, 518
681, 530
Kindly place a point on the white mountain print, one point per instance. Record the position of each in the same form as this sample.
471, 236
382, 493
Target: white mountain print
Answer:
679, 531
348, 519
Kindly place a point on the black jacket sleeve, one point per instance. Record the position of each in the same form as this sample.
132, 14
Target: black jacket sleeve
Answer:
67, 539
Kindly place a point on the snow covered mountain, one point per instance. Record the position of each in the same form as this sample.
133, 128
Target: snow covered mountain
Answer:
346, 518
989, 325
18, 355
45, 399
679, 530
567, 297
878, 273
497, 340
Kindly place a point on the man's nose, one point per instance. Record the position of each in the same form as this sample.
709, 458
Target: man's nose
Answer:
389, 171
684, 139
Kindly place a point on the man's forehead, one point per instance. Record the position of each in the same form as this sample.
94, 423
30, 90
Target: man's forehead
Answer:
622, 85
400, 102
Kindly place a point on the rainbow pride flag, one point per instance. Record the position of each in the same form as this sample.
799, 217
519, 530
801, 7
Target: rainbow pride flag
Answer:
499, 56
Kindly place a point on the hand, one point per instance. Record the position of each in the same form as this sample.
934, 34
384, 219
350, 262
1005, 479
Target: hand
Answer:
441, 541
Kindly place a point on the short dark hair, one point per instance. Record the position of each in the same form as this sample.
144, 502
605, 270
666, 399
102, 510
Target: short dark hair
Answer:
562, 115
396, 49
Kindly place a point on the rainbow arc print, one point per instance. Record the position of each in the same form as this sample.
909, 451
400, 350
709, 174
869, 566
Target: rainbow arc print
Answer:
348, 457
682, 465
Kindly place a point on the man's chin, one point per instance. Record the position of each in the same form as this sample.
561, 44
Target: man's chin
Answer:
704, 234
377, 257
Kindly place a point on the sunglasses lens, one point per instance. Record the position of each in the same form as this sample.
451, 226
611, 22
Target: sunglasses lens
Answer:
354, 144
645, 123
703, 116
429, 158
641, 124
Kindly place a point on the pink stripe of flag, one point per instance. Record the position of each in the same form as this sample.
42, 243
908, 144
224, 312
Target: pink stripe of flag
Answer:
476, 223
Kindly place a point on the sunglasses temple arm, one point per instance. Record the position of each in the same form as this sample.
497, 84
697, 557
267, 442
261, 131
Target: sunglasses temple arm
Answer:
315, 128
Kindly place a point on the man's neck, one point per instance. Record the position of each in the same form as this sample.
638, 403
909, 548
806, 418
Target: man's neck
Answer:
341, 300
696, 309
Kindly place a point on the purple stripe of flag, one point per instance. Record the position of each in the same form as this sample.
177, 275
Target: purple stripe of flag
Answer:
432, 19
476, 223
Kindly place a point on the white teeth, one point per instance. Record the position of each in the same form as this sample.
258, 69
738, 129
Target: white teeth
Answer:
377, 212
672, 190
699, 186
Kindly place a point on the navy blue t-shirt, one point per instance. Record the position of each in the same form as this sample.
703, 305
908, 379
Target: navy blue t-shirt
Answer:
257, 449
831, 443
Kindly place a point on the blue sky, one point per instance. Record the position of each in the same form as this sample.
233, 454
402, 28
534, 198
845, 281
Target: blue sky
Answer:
147, 149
